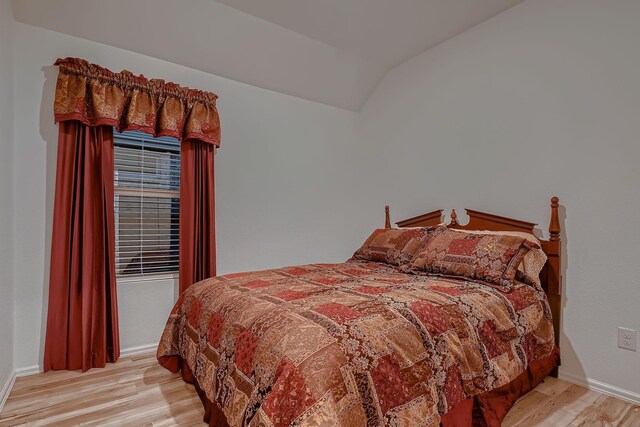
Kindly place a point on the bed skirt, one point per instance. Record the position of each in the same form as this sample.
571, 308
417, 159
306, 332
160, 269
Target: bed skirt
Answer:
490, 408
484, 410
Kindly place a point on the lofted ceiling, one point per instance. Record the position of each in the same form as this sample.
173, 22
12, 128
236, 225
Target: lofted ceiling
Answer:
330, 51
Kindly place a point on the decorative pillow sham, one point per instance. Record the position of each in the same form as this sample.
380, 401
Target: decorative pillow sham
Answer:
490, 258
533, 262
394, 246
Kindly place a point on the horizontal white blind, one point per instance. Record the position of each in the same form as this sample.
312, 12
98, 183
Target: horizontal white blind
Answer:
147, 203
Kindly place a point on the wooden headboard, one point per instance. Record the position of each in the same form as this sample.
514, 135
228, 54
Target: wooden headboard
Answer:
550, 276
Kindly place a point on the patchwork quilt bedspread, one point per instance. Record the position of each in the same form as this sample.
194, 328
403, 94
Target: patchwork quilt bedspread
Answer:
357, 343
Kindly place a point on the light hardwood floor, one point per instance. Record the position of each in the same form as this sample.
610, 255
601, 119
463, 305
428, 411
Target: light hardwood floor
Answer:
137, 391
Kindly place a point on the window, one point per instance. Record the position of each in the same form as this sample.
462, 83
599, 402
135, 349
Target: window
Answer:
147, 203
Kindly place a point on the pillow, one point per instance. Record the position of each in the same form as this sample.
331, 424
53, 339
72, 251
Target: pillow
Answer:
486, 257
533, 262
394, 246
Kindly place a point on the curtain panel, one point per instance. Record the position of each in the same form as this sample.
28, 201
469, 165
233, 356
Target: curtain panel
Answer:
82, 323
197, 213
97, 96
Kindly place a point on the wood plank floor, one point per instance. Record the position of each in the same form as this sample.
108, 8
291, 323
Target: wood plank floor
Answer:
136, 391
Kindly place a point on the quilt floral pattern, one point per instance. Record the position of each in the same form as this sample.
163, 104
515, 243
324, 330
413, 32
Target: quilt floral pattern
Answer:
395, 246
351, 344
491, 258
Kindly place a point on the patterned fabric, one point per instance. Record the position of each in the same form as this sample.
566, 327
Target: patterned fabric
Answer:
395, 246
97, 96
491, 258
531, 266
532, 263
352, 344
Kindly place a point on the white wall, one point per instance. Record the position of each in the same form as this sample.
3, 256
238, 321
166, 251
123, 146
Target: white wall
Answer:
6, 194
542, 100
283, 183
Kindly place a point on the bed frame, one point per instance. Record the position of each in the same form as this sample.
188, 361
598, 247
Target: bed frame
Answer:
550, 276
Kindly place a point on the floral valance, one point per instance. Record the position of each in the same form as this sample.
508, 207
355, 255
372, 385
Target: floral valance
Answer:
96, 96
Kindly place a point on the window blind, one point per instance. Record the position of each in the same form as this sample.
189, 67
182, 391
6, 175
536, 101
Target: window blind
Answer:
146, 203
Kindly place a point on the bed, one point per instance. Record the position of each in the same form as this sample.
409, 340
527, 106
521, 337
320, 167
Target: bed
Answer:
367, 342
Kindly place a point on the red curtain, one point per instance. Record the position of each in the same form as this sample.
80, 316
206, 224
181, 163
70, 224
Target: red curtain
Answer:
82, 324
197, 213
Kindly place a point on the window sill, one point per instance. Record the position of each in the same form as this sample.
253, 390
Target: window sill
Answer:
146, 278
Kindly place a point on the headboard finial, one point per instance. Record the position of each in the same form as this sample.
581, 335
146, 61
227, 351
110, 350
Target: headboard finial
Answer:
387, 218
454, 218
554, 224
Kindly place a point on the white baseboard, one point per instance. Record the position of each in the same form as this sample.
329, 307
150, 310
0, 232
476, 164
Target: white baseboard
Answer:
35, 369
6, 389
138, 350
28, 370
604, 388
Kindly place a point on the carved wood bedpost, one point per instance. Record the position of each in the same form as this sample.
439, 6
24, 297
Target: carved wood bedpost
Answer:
553, 270
387, 219
554, 224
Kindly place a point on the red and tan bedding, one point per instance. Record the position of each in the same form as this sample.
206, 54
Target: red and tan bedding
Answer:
351, 344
